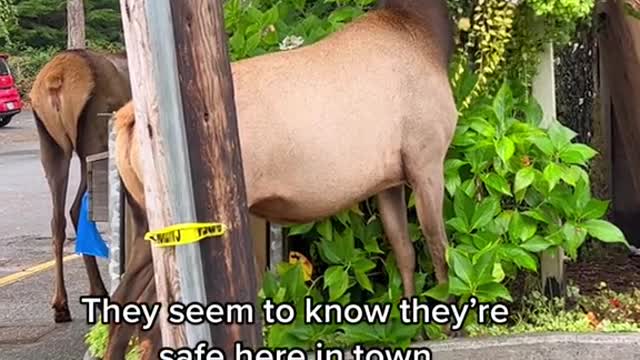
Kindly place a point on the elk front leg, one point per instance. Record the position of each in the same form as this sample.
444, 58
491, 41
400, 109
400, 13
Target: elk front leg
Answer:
96, 285
393, 212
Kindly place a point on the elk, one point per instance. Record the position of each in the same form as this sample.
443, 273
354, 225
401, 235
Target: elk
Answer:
67, 95
360, 113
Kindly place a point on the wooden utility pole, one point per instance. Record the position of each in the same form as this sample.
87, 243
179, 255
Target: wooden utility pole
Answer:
185, 119
214, 148
76, 38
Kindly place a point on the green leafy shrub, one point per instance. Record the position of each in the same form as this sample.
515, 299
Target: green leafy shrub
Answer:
96, 339
514, 190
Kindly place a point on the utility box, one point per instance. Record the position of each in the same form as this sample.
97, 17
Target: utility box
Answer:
98, 186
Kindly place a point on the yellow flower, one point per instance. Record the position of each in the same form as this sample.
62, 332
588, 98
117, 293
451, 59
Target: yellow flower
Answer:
464, 24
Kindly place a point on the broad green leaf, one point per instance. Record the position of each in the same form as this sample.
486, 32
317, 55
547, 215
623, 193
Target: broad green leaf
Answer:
552, 174
575, 237
536, 244
524, 178
344, 243
604, 231
271, 16
540, 214
462, 266
361, 333
497, 183
452, 175
500, 224
521, 227
343, 217
343, 14
482, 127
560, 135
328, 252
412, 200
569, 175
300, 229
457, 287
498, 272
237, 40
595, 209
439, 292
357, 224
519, 257
502, 103
482, 239
453, 164
581, 195
533, 112
577, 154
325, 229
463, 206
364, 265
373, 231
458, 225
299, 4
544, 144
492, 291
363, 280
505, 149
337, 280
293, 279
485, 212
452, 182
483, 268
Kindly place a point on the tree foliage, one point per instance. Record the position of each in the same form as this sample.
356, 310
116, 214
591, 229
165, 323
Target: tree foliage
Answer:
42, 24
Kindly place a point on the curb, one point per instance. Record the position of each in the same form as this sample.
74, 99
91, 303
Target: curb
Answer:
554, 346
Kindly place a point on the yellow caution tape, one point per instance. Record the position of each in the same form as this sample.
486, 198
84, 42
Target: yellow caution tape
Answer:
182, 234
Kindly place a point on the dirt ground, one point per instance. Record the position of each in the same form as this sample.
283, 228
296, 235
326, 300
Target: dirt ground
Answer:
612, 265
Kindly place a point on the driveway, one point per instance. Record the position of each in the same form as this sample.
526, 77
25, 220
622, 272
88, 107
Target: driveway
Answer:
27, 330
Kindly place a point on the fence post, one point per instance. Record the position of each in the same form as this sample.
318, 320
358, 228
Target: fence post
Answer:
544, 90
186, 124
115, 213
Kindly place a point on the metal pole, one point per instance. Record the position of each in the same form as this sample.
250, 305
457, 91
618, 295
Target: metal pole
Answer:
159, 123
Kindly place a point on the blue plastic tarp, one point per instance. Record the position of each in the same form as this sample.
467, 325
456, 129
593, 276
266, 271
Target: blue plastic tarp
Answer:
88, 239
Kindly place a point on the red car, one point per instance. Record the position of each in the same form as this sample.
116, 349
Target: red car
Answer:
10, 101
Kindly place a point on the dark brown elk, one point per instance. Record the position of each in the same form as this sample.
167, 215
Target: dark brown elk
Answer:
67, 95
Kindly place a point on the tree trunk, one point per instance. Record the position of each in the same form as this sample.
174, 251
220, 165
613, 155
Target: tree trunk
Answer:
75, 24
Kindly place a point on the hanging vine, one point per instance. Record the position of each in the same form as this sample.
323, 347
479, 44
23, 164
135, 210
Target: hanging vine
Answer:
503, 39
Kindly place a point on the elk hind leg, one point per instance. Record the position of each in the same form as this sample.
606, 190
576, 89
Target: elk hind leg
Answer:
393, 212
55, 162
427, 180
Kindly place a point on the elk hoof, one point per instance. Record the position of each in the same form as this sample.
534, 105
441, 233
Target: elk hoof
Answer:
61, 313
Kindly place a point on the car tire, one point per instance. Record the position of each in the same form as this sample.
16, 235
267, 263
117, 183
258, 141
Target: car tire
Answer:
4, 121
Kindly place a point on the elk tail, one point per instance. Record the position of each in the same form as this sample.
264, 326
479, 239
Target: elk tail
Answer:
59, 95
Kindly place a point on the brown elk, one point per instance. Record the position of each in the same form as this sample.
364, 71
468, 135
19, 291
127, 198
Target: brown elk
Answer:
362, 112
68, 93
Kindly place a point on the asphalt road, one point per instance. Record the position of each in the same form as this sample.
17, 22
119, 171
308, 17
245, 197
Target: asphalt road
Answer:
27, 330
